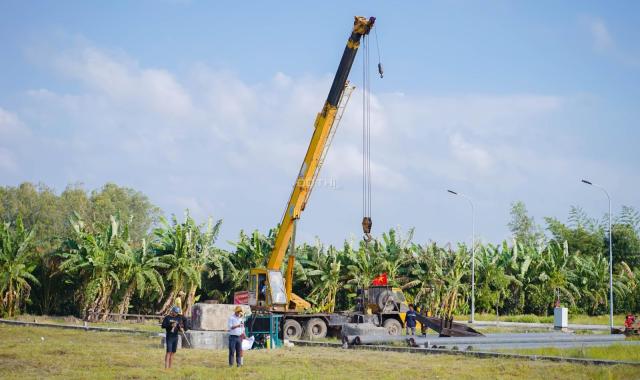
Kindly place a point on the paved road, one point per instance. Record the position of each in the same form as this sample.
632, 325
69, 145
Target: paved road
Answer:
535, 325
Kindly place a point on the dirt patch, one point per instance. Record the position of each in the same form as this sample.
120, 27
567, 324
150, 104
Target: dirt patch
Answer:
8, 356
57, 352
72, 319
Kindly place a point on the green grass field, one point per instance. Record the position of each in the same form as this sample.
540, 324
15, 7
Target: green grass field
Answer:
149, 325
613, 352
29, 352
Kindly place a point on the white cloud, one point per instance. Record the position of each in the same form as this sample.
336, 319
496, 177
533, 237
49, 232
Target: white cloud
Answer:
602, 39
7, 162
604, 42
207, 140
11, 126
124, 82
13, 132
470, 154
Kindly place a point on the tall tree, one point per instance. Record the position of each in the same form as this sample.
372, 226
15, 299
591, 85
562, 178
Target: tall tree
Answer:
582, 234
324, 269
188, 250
523, 227
17, 263
141, 273
128, 204
97, 260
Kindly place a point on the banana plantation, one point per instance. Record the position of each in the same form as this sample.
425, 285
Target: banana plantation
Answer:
110, 251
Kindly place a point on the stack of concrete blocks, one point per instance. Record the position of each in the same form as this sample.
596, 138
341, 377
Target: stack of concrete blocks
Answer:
209, 325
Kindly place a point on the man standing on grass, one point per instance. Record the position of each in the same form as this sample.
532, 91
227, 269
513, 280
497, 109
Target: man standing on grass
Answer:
173, 325
236, 331
410, 320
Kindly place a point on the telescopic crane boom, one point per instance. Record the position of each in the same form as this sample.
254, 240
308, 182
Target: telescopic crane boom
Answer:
266, 285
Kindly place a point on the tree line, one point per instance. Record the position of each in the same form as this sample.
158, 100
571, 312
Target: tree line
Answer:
111, 251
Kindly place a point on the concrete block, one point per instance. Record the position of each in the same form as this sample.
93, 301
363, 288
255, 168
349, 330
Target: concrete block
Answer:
349, 329
560, 317
213, 317
210, 340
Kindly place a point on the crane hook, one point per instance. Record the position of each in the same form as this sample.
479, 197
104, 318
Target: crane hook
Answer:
366, 228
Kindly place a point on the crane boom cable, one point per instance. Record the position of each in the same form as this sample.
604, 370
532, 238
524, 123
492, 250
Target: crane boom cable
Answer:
366, 140
380, 69
364, 127
369, 132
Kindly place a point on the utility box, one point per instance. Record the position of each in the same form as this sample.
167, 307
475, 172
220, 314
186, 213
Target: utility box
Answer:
264, 327
560, 317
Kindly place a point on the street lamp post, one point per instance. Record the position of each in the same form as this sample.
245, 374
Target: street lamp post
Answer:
473, 255
610, 254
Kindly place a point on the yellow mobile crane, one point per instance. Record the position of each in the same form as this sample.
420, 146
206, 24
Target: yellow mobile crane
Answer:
380, 305
268, 291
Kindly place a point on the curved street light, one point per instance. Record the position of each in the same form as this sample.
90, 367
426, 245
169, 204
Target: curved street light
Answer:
610, 254
473, 254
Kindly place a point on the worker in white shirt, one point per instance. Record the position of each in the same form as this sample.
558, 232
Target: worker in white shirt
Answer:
236, 332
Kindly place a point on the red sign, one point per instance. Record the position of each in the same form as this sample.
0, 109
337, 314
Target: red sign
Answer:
241, 298
380, 280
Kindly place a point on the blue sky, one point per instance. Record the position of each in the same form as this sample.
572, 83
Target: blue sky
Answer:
209, 106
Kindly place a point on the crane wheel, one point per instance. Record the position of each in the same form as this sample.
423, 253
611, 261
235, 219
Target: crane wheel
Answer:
291, 329
393, 326
315, 328
386, 300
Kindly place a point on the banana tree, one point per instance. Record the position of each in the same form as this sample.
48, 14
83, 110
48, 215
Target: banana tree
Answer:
325, 274
141, 271
96, 258
187, 251
17, 263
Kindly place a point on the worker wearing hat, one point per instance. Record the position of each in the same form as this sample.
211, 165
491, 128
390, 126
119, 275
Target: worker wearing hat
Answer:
236, 331
173, 325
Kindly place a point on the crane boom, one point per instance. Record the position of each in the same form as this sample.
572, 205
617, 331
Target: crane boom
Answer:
322, 127
267, 290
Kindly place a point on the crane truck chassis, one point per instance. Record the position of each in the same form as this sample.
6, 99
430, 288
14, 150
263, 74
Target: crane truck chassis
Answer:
381, 306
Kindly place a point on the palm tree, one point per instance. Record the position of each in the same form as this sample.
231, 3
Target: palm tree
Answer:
17, 263
491, 277
251, 251
141, 270
323, 269
592, 281
553, 277
439, 275
362, 266
392, 253
188, 252
517, 261
96, 258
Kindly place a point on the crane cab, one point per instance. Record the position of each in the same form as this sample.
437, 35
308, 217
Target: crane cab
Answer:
266, 290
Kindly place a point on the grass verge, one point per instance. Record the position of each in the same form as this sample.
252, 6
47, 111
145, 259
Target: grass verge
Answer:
582, 319
28, 352
613, 352
148, 325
